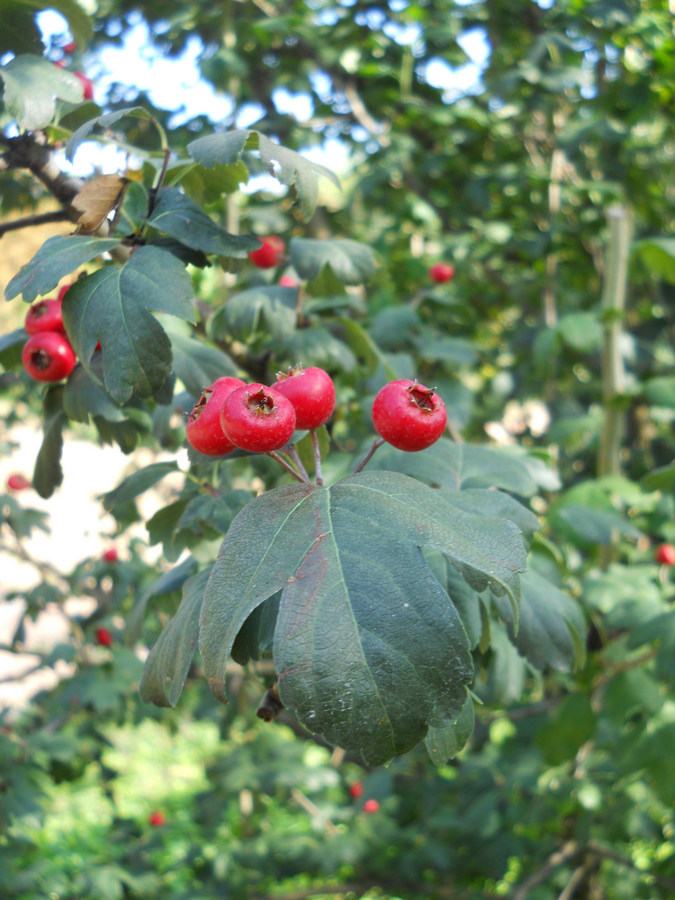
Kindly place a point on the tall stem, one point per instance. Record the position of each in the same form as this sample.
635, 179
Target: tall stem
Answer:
613, 373
317, 458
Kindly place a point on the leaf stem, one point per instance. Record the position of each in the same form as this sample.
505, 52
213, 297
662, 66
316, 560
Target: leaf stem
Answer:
289, 468
317, 458
376, 443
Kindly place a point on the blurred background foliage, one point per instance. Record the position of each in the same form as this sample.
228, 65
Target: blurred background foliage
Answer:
566, 788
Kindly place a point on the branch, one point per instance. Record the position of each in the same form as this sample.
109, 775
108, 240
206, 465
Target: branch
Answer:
555, 860
59, 215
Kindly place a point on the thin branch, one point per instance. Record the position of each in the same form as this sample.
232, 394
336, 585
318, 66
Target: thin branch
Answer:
606, 853
314, 811
376, 443
289, 468
295, 456
58, 215
555, 860
317, 458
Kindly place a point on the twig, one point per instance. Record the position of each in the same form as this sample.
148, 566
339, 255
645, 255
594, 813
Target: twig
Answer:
577, 878
313, 810
289, 468
317, 458
58, 215
606, 853
376, 443
555, 860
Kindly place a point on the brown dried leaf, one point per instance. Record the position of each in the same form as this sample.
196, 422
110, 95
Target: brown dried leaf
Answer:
97, 199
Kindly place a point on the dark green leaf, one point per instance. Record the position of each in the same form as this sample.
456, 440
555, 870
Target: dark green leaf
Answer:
257, 633
84, 397
137, 483
113, 306
32, 85
595, 526
316, 346
48, 474
181, 218
20, 33
551, 632
658, 255
350, 262
660, 391
195, 362
59, 256
660, 631
11, 346
662, 479
169, 661
570, 725
443, 742
581, 331
269, 310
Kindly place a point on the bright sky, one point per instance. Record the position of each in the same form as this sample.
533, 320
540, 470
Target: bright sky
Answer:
176, 84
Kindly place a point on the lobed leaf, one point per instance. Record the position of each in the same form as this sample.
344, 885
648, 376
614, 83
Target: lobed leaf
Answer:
32, 85
113, 306
350, 261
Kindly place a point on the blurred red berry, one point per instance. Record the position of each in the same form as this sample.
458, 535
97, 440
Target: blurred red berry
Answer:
269, 254
157, 818
70, 47
103, 637
665, 554
371, 806
87, 86
356, 789
288, 281
110, 555
18, 482
441, 272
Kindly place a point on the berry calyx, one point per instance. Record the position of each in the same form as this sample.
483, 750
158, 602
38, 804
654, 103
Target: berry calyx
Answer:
103, 637
408, 415
665, 555
157, 818
441, 272
371, 806
271, 252
110, 555
312, 393
203, 430
356, 789
48, 356
44, 316
18, 482
257, 418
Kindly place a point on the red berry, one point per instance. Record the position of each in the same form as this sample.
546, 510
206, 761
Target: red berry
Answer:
356, 789
110, 555
203, 430
87, 86
441, 272
269, 254
48, 356
257, 418
157, 818
371, 806
44, 316
18, 482
103, 637
288, 281
312, 393
70, 47
665, 554
408, 415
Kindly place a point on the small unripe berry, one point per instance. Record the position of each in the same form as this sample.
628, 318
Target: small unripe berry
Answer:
665, 555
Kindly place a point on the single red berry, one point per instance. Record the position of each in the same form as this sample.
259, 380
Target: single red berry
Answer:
44, 316
203, 430
87, 86
257, 418
18, 482
441, 272
70, 47
157, 818
408, 415
312, 393
288, 281
267, 256
110, 555
665, 554
104, 637
356, 789
48, 356
371, 806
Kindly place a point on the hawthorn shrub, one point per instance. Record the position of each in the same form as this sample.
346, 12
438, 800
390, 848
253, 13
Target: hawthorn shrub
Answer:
452, 608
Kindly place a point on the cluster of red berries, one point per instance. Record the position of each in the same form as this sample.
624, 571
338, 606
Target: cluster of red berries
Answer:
47, 354
257, 418
261, 419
